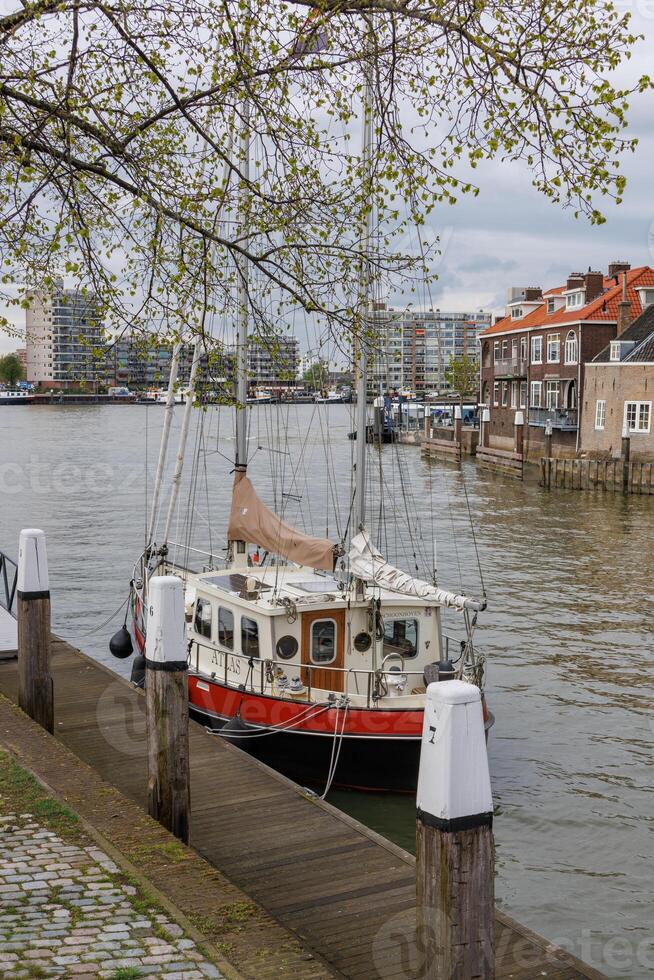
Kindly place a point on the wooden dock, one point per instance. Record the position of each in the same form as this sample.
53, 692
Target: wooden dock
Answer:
346, 893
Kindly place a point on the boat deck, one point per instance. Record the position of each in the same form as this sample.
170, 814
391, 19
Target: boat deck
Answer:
345, 892
8, 633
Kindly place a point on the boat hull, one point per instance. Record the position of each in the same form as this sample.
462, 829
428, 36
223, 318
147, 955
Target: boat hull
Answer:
379, 749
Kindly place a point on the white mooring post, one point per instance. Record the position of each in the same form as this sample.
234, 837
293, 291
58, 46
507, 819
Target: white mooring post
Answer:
169, 796
35, 695
454, 837
485, 428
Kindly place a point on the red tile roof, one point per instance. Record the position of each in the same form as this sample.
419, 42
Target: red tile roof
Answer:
604, 307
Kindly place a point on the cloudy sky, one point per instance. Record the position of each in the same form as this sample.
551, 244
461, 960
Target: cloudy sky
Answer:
511, 236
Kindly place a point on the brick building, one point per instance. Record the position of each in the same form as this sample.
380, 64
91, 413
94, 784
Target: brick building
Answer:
533, 359
619, 390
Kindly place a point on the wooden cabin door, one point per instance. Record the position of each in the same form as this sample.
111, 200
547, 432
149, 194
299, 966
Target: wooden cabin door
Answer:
323, 645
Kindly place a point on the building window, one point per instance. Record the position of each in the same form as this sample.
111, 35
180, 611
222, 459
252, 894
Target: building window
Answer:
514, 350
496, 351
553, 348
226, 627
487, 355
574, 300
637, 416
523, 348
550, 306
505, 393
505, 349
552, 394
249, 637
323, 641
571, 348
523, 394
536, 394
514, 394
616, 350
496, 393
536, 350
600, 414
202, 619
401, 636
516, 312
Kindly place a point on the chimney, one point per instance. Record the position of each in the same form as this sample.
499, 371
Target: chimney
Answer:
616, 268
575, 281
624, 308
594, 285
533, 292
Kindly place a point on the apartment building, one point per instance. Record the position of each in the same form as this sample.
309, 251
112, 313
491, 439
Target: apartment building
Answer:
619, 390
416, 346
64, 338
533, 359
272, 360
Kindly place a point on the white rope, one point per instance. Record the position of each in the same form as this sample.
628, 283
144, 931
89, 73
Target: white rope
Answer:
336, 751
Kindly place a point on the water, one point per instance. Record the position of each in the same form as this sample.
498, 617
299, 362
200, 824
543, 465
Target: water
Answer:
568, 631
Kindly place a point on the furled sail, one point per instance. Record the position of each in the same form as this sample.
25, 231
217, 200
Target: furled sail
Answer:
370, 565
250, 520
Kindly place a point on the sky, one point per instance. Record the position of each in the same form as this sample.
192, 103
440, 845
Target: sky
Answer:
509, 235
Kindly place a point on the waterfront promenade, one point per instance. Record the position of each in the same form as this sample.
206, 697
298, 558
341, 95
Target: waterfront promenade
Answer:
343, 897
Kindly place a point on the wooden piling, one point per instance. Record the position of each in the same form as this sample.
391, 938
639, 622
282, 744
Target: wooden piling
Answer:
454, 837
35, 690
626, 457
169, 796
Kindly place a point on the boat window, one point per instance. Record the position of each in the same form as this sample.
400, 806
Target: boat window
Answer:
401, 636
202, 620
226, 627
249, 637
286, 647
323, 641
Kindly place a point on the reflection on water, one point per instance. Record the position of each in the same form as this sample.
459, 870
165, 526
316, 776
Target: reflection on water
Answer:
568, 630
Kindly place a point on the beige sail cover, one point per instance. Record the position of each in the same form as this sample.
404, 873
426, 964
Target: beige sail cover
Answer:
250, 520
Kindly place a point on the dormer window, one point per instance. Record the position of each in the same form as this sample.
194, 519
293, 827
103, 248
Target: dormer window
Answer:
516, 313
574, 300
550, 306
646, 296
620, 349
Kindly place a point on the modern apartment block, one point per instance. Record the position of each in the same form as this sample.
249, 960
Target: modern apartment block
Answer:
533, 358
142, 361
64, 336
416, 346
273, 361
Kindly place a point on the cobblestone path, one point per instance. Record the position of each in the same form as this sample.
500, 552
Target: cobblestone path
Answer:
65, 912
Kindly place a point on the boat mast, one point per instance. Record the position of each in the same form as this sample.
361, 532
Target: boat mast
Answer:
183, 436
243, 270
362, 312
165, 437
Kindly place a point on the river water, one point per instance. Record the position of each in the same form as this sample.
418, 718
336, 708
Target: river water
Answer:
568, 630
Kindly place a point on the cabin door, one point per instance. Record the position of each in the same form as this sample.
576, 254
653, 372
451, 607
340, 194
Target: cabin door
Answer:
323, 645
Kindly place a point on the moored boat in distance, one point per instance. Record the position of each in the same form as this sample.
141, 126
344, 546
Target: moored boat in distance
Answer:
16, 396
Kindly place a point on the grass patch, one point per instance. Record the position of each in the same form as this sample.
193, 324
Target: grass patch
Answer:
20, 792
169, 851
125, 973
33, 970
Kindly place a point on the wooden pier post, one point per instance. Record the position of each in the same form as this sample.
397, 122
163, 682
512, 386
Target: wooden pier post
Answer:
548, 439
458, 424
427, 422
485, 427
169, 796
519, 430
35, 694
626, 458
454, 838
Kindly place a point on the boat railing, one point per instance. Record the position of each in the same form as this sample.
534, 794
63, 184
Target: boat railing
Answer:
260, 676
8, 581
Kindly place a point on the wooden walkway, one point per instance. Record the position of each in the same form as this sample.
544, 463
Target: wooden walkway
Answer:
346, 893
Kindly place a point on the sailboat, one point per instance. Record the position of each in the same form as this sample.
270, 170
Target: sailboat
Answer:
313, 656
